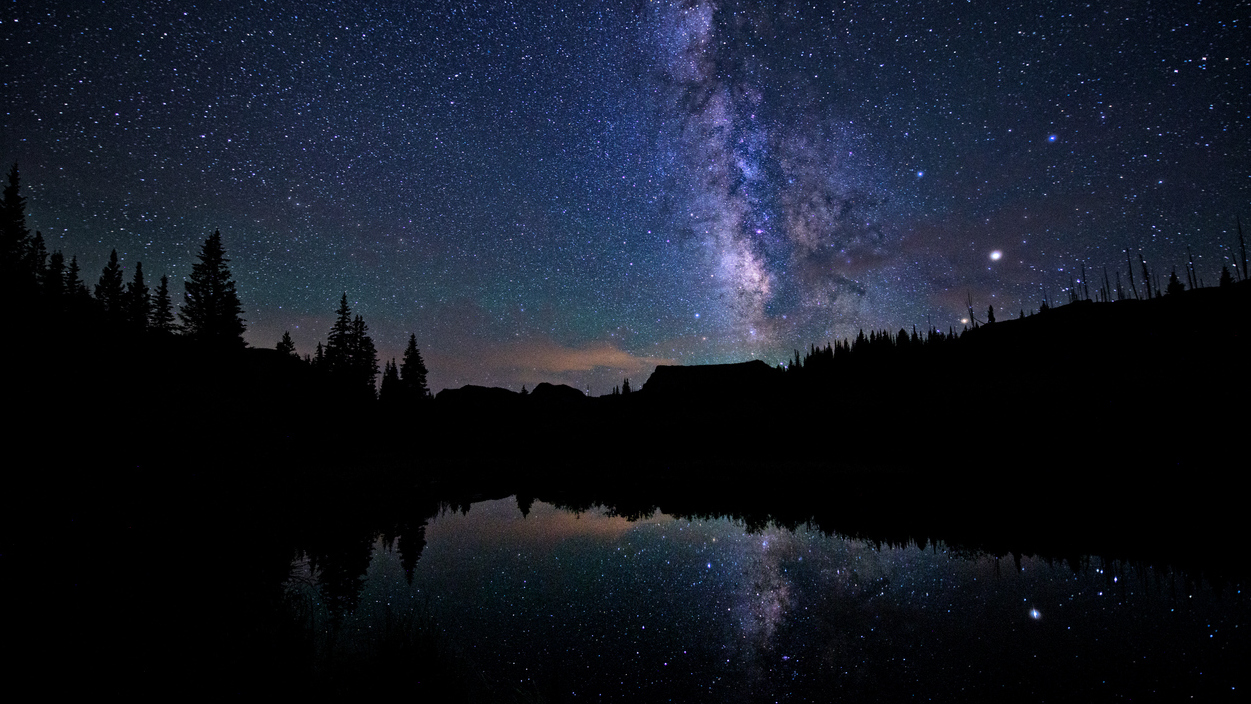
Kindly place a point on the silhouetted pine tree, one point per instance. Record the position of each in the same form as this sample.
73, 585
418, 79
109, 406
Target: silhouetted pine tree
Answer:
338, 348
109, 291
365, 358
162, 320
54, 283
77, 300
990, 315
413, 373
625, 385
389, 392
1175, 286
1226, 279
137, 301
37, 259
351, 360
15, 274
286, 347
211, 313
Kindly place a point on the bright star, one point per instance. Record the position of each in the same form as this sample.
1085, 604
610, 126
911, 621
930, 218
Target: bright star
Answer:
1035, 614
996, 255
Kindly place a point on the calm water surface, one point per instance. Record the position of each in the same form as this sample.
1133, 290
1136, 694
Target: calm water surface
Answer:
591, 607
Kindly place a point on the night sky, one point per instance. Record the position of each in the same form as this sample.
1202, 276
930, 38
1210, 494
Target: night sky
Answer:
575, 192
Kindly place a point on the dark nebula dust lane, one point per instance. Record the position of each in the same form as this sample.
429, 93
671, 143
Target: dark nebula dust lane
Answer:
575, 192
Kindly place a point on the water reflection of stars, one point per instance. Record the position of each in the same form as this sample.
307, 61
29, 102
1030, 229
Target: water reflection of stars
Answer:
623, 608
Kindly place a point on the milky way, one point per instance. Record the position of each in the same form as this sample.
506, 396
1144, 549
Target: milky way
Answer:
577, 192
768, 189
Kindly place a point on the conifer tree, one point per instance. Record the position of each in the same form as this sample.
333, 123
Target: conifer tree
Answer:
625, 385
138, 301
1226, 278
350, 356
990, 315
76, 297
14, 238
364, 357
54, 282
1175, 285
37, 258
413, 372
211, 313
286, 347
337, 352
109, 290
389, 392
162, 320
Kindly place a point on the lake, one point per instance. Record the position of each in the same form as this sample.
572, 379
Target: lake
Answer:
556, 605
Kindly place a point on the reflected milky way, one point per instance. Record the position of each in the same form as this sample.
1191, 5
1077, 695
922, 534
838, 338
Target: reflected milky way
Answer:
593, 605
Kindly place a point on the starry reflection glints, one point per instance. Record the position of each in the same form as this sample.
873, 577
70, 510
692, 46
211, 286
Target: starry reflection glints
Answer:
594, 605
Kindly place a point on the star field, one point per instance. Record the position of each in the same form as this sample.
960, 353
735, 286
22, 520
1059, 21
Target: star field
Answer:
575, 192
597, 606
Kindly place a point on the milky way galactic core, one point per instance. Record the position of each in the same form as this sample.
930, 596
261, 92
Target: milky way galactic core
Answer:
576, 192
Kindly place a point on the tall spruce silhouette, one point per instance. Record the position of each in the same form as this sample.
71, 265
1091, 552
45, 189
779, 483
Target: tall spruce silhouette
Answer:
77, 299
389, 390
162, 320
365, 357
286, 347
37, 259
338, 346
211, 313
351, 359
54, 282
137, 301
413, 372
109, 291
15, 274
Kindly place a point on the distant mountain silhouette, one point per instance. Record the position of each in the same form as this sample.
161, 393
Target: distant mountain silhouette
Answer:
696, 381
471, 396
556, 395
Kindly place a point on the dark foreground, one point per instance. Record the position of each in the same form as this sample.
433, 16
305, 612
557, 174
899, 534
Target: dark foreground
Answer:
164, 578
167, 490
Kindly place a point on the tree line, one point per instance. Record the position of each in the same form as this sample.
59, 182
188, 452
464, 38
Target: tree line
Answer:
210, 316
